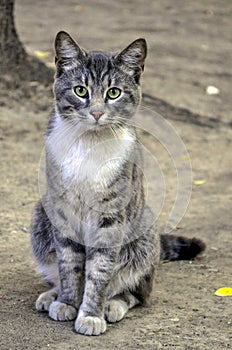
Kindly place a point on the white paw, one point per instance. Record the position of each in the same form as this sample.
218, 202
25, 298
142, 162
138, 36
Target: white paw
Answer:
115, 310
44, 300
62, 312
90, 325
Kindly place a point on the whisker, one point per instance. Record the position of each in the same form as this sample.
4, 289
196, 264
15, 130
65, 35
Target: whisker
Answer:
113, 131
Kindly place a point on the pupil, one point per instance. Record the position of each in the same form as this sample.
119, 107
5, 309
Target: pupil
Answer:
113, 93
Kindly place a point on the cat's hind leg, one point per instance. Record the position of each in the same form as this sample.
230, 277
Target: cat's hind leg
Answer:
51, 274
45, 255
117, 307
45, 299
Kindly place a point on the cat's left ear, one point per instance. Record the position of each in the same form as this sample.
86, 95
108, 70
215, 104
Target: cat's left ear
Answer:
68, 52
133, 56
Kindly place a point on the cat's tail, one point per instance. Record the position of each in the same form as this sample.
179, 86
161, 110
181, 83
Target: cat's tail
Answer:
179, 247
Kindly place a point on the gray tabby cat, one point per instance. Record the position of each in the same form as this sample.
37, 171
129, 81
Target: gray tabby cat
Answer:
92, 233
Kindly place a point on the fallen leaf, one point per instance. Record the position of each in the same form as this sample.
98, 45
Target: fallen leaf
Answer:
185, 157
212, 90
42, 54
204, 46
51, 64
78, 8
175, 319
199, 182
224, 292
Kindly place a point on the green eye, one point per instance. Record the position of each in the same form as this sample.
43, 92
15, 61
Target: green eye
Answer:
113, 93
81, 91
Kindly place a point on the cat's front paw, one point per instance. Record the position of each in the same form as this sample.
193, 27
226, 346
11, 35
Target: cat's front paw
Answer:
62, 312
90, 325
115, 310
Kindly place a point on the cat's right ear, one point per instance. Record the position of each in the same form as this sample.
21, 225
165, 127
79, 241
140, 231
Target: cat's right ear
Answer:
68, 53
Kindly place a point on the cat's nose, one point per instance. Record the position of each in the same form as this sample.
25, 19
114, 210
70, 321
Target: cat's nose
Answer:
97, 114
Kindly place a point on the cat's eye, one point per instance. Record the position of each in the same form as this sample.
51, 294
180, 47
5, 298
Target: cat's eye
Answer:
81, 91
113, 93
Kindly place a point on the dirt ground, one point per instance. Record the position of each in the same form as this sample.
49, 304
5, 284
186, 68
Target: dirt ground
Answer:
190, 48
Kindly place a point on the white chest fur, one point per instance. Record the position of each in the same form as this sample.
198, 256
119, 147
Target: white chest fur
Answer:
94, 158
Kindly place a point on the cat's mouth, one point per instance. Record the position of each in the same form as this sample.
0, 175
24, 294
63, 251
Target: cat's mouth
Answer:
99, 123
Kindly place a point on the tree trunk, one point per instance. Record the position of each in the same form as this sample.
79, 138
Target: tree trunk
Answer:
12, 51
13, 58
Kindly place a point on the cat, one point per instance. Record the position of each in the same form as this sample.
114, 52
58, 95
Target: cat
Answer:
93, 235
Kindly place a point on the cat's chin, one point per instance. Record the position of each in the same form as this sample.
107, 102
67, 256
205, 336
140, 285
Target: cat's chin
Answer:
99, 124
89, 127
101, 127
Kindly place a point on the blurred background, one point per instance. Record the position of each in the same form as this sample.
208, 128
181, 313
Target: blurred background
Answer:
190, 46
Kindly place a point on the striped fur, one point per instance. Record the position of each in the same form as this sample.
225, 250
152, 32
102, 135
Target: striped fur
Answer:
92, 233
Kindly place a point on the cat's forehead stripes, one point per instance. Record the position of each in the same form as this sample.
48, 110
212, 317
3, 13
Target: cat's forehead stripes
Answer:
99, 67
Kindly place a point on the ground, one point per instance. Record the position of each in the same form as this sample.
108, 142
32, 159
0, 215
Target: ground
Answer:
189, 49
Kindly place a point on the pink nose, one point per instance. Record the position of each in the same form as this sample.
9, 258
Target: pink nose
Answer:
97, 114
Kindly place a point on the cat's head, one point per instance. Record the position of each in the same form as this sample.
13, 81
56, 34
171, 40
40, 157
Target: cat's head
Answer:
96, 87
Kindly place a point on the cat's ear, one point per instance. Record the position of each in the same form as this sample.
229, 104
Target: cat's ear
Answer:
133, 57
68, 53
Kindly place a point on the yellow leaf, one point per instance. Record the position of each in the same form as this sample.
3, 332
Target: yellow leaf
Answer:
184, 157
78, 8
199, 182
224, 292
42, 54
175, 319
51, 64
